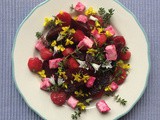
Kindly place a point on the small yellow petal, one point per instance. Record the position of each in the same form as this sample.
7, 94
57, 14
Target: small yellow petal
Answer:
100, 30
61, 12
97, 24
121, 64
72, 31
75, 18
47, 21
42, 74
58, 22
108, 34
65, 28
69, 42
90, 11
60, 47
108, 88
53, 43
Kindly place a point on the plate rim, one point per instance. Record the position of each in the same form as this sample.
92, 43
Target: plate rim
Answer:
138, 23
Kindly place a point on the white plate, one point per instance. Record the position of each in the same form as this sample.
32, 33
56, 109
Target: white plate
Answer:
28, 83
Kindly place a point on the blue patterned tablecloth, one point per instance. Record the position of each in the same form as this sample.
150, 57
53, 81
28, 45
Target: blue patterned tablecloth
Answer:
13, 107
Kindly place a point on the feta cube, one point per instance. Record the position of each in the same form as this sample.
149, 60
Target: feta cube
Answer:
111, 53
102, 106
86, 42
93, 18
79, 7
95, 33
54, 63
82, 18
72, 102
39, 45
90, 82
45, 84
113, 86
110, 31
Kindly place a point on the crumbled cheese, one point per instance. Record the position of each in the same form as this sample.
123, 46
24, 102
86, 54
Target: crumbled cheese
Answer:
93, 18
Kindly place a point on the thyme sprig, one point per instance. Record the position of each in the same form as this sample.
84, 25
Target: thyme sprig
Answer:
53, 88
39, 35
76, 114
106, 15
71, 7
124, 49
71, 54
120, 100
101, 11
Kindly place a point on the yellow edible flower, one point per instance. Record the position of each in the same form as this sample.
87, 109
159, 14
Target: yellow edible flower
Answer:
72, 31
69, 42
75, 18
91, 51
62, 73
85, 78
65, 30
60, 47
77, 77
97, 24
100, 30
79, 93
108, 34
42, 74
54, 43
58, 22
123, 65
47, 21
90, 11
65, 85
61, 12
108, 88
81, 105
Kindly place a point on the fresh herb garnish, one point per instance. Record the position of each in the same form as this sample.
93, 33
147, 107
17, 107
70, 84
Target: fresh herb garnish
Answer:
53, 88
120, 100
124, 49
61, 65
88, 101
72, 7
106, 15
101, 11
100, 55
39, 35
76, 114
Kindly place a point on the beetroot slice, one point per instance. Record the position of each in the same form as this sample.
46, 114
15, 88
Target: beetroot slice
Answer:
53, 33
81, 26
49, 72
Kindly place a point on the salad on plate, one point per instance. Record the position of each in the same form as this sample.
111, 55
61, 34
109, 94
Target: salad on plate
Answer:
81, 58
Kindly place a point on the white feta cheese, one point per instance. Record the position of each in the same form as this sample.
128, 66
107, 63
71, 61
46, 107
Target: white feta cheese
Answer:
93, 18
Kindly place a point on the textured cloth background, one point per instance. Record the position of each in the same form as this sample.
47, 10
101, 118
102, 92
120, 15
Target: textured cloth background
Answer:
13, 107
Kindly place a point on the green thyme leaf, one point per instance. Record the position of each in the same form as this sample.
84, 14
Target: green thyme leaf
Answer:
107, 16
120, 100
124, 49
101, 11
72, 7
38, 34
76, 115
